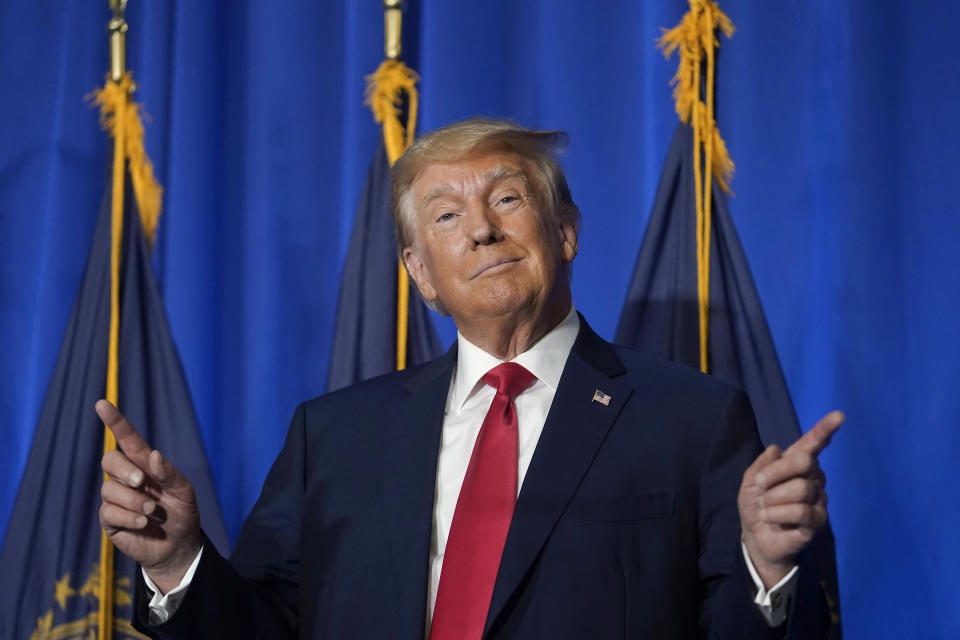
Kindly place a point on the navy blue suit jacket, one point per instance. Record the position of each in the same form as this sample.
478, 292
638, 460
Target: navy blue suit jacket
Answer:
626, 525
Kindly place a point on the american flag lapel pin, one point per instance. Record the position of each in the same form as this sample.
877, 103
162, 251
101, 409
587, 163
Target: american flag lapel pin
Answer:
601, 397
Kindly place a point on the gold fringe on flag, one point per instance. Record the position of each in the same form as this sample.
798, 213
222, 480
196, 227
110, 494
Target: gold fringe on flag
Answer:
120, 116
386, 88
695, 37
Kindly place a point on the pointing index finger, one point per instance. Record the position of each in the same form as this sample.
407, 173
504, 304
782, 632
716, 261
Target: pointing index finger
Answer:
127, 437
816, 440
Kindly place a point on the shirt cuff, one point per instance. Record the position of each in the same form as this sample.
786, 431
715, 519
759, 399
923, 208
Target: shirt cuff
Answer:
162, 606
773, 604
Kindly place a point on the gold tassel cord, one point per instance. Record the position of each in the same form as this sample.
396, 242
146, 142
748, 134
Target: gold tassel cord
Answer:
693, 37
386, 88
117, 110
696, 40
119, 115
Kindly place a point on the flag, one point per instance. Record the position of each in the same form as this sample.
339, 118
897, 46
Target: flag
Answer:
661, 315
51, 555
692, 298
365, 338
380, 327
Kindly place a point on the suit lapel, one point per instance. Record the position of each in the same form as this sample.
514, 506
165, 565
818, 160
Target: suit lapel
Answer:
410, 448
575, 428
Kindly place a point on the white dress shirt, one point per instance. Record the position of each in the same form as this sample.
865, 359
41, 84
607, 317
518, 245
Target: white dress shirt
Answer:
467, 402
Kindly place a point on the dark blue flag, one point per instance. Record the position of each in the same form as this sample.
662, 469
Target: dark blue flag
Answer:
51, 553
660, 314
365, 338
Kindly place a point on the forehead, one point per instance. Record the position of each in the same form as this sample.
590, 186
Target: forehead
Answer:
459, 177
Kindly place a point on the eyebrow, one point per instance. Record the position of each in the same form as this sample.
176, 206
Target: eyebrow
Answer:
489, 178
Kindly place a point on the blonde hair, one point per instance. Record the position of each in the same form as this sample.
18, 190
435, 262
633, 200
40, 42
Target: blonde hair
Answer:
537, 151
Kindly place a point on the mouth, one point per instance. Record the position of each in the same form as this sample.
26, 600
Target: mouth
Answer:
493, 266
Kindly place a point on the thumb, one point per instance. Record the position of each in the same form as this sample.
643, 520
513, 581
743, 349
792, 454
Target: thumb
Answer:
770, 454
163, 470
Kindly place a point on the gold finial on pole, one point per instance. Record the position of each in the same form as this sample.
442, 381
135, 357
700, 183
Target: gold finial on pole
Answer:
392, 18
117, 27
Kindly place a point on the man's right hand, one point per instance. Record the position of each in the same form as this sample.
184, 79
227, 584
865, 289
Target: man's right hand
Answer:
149, 510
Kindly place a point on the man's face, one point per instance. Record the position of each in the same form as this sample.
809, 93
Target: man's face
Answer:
483, 245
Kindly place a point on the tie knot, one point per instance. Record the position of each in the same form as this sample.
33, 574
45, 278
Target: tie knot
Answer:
509, 378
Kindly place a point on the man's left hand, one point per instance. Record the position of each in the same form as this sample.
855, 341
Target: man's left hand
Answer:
783, 502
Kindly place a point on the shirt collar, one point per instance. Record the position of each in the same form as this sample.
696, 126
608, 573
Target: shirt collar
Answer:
545, 359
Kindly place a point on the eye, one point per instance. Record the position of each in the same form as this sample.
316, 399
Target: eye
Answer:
509, 201
446, 217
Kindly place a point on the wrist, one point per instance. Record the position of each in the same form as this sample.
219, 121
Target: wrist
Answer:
770, 572
168, 575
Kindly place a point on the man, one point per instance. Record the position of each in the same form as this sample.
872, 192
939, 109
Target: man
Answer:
534, 482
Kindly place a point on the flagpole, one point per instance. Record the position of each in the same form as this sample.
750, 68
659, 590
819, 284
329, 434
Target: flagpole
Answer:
392, 48
117, 27
392, 25
386, 88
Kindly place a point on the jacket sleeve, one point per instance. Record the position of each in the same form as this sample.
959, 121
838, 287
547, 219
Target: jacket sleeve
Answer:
727, 590
254, 595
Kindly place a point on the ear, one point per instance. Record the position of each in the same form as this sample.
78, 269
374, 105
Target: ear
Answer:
420, 274
569, 243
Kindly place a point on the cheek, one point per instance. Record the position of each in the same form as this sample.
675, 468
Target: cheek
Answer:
550, 253
443, 265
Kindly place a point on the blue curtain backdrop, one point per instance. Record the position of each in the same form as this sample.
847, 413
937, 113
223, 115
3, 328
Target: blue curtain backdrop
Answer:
841, 117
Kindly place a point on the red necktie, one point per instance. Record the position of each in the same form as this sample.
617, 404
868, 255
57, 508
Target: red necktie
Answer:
483, 513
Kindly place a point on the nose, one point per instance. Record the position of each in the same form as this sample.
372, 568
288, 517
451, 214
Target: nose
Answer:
483, 224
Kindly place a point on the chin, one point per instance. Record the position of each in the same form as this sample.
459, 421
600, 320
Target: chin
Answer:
501, 301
